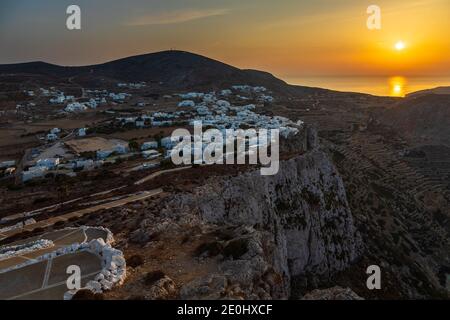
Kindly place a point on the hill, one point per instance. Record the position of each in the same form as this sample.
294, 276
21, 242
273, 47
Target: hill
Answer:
425, 118
177, 70
438, 90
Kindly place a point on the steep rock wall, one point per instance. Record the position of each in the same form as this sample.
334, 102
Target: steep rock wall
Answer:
295, 223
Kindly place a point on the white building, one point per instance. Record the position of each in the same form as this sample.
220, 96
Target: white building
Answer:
223, 104
192, 95
91, 104
82, 132
140, 122
33, 173
103, 154
83, 164
121, 148
45, 92
7, 164
167, 142
119, 96
186, 104
266, 98
209, 98
49, 163
150, 154
52, 137
58, 99
10, 171
75, 107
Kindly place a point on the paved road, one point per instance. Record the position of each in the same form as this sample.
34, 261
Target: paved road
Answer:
80, 213
29, 214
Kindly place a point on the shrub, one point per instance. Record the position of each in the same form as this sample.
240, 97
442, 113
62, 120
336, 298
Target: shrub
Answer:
153, 276
212, 248
135, 261
236, 248
59, 223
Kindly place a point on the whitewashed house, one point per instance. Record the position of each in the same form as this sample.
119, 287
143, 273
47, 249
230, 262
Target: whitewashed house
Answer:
167, 142
92, 104
223, 104
121, 148
83, 164
7, 164
75, 107
33, 173
186, 104
209, 98
149, 145
51, 137
192, 95
103, 154
49, 163
55, 131
150, 154
58, 99
82, 132
140, 122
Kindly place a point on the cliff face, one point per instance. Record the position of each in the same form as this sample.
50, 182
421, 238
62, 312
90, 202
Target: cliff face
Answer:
293, 224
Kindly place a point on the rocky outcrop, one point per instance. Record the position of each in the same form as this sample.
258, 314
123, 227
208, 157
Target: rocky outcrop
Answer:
163, 289
293, 224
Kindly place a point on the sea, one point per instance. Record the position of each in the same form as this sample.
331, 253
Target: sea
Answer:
394, 86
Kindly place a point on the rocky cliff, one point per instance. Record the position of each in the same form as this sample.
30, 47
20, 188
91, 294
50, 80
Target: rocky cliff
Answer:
273, 229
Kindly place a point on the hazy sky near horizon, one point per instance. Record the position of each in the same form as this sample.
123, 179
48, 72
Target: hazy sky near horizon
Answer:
289, 38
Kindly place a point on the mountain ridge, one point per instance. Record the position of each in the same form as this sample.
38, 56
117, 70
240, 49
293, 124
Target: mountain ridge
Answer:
175, 69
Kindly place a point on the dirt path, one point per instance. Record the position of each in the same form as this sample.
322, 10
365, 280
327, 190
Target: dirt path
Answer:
158, 173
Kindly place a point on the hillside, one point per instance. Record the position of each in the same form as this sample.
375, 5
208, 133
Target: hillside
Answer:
424, 118
438, 90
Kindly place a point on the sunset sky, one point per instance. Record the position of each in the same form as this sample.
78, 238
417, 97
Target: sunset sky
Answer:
290, 38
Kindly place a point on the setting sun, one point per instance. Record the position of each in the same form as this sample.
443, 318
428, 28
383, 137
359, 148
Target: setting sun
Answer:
400, 45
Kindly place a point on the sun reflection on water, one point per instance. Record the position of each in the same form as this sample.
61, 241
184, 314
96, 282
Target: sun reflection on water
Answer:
397, 86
